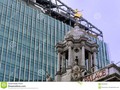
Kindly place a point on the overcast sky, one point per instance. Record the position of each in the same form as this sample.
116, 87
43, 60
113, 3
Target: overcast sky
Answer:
105, 15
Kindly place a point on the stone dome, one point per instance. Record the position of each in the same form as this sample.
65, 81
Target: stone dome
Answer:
76, 33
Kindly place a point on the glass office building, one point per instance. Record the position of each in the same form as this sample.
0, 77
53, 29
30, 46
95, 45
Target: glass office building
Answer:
27, 42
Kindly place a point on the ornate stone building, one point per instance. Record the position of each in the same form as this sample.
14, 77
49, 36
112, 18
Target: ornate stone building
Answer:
77, 60
72, 53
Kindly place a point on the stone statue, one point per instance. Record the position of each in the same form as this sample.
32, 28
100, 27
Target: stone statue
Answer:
48, 78
77, 14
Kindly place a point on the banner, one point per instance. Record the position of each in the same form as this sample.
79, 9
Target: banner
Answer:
60, 85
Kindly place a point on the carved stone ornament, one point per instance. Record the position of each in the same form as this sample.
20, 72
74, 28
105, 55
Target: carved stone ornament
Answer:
75, 74
76, 50
70, 43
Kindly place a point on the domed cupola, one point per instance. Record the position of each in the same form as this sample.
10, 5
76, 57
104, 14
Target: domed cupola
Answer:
75, 33
76, 55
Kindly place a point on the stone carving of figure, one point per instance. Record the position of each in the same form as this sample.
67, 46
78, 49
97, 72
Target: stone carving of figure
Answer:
48, 78
76, 61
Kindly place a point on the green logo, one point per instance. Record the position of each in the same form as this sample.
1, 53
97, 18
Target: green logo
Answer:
3, 85
99, 86
80, 83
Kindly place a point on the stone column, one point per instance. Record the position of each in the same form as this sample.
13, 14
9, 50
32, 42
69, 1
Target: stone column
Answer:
83, 56
69, 55
89, 62
95, 61
58, 63
62, 60
63, 63
66, 63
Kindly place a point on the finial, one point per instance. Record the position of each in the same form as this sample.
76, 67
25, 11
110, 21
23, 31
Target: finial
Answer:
77, 16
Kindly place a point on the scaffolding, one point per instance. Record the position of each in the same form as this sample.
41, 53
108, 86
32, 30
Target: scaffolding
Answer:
58, 10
